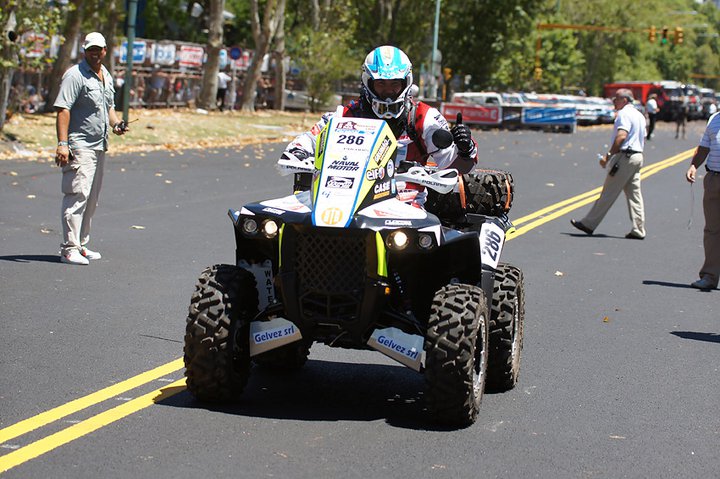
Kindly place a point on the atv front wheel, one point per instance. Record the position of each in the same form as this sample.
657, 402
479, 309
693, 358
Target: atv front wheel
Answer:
217, 351
456, 349
507, 317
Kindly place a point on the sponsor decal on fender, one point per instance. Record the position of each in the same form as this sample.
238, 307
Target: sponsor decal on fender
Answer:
267, 335
382, 150
339, 182
332, 216
375, 174
273, 210
398, 345
344, 165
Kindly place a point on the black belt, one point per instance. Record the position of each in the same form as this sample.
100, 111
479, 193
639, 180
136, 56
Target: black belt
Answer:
712, 172
630, 152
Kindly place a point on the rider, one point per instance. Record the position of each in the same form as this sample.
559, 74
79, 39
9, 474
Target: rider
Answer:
386, 93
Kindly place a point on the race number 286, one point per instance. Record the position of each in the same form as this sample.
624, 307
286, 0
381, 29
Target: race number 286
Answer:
491, 243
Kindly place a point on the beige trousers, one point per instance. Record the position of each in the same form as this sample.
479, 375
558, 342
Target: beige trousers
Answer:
81, 183
627, 179
711, 233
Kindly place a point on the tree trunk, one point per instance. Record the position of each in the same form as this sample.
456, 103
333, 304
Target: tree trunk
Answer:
9, 56
62, 62
208, 89
280, 72
110, 30
263, 35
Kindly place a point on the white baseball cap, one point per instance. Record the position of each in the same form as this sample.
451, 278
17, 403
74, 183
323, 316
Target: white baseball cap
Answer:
94, 39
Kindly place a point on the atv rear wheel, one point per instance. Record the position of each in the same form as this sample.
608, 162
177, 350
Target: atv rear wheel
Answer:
456, 348
507, 317
488, 192
290, 357
217, 352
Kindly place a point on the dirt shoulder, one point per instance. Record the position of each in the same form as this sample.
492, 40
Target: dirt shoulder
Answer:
32, 137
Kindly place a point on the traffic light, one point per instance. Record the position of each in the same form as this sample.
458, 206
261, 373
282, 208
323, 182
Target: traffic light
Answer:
652, 35
538, 73
679, 35
664, 38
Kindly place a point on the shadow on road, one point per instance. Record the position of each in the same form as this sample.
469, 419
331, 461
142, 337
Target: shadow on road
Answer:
329, 391
651, 282
696, 336
31, 258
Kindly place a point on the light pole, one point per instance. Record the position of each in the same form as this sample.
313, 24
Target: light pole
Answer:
435, 57
132, 14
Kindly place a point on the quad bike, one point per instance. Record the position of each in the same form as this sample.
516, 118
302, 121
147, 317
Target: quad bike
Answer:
347, 264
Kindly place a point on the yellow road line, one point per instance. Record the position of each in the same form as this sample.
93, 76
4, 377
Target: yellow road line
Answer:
37, 448
561, 208
76, 405
94, 423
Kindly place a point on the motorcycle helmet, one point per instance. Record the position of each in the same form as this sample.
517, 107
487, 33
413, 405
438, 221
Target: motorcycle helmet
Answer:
387, 63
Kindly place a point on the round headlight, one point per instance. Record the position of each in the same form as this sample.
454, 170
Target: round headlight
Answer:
270, 229
398, 240
250, 226
425, 241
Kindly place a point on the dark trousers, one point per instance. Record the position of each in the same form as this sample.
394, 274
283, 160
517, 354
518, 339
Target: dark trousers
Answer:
651, 123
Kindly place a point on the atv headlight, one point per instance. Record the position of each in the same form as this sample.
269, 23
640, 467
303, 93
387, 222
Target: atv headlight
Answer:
250, 226
270, 229
398, 240
425, 241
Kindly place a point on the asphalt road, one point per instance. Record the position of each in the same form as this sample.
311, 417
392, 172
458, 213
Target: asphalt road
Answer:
620, 369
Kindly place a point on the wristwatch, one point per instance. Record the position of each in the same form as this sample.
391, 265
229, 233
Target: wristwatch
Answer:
62, 143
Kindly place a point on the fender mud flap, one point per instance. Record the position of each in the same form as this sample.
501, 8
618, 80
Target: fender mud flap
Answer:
271, 334
407, 349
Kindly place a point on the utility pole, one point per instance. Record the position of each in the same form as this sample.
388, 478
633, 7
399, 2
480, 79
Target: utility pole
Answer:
132, 18
433, 59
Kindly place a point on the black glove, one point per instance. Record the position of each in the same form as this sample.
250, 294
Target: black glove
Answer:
462, 136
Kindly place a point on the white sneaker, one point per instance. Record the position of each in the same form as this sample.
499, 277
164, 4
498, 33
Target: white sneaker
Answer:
90, 254
74, 257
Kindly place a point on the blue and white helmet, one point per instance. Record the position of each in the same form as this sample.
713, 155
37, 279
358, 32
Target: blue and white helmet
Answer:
387, 63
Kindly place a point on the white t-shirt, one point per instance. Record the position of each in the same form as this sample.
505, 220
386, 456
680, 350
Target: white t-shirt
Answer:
711, 139
223, 79
631, 120
651, 106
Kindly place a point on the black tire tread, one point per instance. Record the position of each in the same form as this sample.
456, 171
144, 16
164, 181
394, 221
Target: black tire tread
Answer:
508, 303
217, 368
450, 347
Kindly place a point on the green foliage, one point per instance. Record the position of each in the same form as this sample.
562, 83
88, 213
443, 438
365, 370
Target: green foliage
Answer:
327, 54
31, 16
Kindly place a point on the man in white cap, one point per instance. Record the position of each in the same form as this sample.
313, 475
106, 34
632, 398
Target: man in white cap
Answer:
85, 114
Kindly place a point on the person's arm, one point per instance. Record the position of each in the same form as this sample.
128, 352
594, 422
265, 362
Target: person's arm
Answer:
62, 124
699, 157
615, 147
117, 127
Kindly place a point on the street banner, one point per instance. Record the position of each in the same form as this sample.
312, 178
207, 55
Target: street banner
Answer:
191, 56
473, 114
548, 116
139, 52
163, 54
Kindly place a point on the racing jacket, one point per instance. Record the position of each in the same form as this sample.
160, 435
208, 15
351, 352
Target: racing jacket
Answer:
414, 137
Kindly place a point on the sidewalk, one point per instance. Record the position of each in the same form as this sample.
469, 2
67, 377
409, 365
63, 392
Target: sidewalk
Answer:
33, 136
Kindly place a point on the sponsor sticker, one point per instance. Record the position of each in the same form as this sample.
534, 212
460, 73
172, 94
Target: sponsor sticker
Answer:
332, 216
267, 335
491, 240
273, 210
405, 348
339, 182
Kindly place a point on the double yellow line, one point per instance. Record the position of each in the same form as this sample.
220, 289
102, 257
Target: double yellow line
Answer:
23, 454
547, 214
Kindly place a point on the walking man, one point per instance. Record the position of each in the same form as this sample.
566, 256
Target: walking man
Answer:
652, 110
709, 149
85, 112
625, 159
